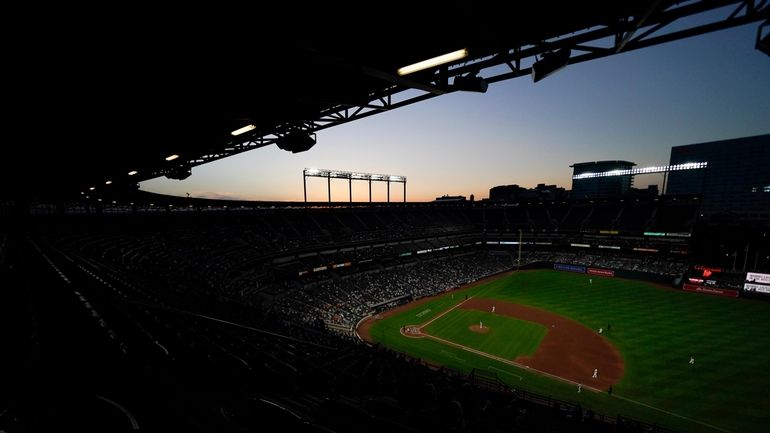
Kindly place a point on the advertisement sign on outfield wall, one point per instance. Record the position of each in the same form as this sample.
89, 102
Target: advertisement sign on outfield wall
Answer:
749, 287
753, 277
569, 268
710, 290
602, 272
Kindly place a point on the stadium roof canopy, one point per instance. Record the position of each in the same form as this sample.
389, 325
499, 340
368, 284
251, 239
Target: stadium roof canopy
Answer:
97, 99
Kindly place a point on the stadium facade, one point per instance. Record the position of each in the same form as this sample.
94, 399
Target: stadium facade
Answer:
601, 187
737, 180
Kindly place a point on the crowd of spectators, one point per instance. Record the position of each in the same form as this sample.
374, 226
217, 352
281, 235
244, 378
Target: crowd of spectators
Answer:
345, 301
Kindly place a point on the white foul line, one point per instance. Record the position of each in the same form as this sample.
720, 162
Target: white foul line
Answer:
492, 367
442, 314
505, 361
672, 413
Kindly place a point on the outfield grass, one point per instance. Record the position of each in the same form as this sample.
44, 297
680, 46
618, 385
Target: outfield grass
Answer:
656, 331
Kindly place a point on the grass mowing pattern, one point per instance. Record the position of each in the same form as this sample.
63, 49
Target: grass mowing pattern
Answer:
507, 337
656, 331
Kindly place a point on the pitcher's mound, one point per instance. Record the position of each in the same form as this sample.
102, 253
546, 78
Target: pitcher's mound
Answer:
475, 328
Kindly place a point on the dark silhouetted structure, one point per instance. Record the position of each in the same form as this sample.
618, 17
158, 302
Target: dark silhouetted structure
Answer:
450, 198
736, 181
515, 193
601, 187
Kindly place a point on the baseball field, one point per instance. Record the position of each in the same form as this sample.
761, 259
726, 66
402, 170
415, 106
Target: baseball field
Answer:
686, 361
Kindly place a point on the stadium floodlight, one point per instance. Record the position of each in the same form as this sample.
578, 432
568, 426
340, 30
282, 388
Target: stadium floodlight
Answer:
132, 172
350, 176
643, 170
339, 174
550, 63
244, 129
433, 62
172, 157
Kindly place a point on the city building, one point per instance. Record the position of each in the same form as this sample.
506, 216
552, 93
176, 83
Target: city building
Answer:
515, 193
450, 198
590, 187
736, 180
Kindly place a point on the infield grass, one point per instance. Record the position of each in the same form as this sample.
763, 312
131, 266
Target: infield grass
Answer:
505, 336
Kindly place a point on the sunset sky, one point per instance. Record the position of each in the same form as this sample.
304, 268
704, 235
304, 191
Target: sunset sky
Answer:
633, 106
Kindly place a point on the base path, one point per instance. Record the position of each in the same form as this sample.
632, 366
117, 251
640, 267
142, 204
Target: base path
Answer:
365, 326
569, 350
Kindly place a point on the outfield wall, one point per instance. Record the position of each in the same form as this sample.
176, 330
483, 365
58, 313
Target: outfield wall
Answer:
632, 275
647, 276
710, 290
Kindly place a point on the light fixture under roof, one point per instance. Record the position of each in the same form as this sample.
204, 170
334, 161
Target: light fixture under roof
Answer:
132, 172
470, 83
435, 61
92, 188
109, 182
246, 128
296, 141
550, 63
172, 157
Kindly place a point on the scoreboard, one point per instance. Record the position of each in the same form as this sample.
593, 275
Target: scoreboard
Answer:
705, 275
714, 281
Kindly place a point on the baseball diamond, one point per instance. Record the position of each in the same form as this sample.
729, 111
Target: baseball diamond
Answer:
544, 337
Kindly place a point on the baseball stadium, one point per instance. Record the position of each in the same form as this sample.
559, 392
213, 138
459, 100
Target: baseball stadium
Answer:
397, 315
633, 298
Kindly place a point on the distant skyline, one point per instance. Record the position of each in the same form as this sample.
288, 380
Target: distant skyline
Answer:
633, 106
